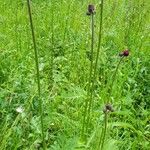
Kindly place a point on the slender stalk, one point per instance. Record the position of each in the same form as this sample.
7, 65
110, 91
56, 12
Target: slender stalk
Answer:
96, 62
104, 131
100, 140
100, 38
114, 76
52, 51
37, 71
16, 25
91, 79
88, 101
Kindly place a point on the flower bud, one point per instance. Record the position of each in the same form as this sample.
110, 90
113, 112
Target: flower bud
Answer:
91, 9
125, 53
108, 108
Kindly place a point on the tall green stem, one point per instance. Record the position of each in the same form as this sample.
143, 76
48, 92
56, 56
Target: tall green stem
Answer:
37, 71
52, 50
100, 38
91, 79
104, 131
96, 62
114, 77
93, 73
88, 102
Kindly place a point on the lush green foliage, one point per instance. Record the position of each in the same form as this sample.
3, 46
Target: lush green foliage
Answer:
63, 38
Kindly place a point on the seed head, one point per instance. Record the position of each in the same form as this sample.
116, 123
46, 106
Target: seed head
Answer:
125, 53
91, 9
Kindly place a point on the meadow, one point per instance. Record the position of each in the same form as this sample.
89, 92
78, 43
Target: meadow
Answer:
75, 75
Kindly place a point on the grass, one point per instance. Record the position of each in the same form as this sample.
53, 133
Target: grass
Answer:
63, 40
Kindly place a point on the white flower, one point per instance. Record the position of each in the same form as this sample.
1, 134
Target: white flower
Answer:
19, 109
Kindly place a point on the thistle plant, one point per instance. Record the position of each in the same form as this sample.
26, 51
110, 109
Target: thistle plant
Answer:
37, 72
93, 67
122, 55
96, 62
108, 107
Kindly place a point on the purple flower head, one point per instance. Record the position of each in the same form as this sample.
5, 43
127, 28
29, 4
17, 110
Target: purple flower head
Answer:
91, 9
125, 53
108, 108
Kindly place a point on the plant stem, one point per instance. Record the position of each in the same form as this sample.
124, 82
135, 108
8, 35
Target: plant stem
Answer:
100, 38
37, 71
52, 50
114, 76
96, 62
91, 79
88, 102
105, 130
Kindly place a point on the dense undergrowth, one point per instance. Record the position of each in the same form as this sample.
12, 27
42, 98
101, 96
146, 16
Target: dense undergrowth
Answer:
63, 38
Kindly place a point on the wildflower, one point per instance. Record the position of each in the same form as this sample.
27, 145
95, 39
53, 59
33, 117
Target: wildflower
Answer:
91, 9
108, 108
125, 53
19, 109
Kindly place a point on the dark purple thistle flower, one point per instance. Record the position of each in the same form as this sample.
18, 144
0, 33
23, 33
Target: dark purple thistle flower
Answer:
91, 9
108, 108
125, 53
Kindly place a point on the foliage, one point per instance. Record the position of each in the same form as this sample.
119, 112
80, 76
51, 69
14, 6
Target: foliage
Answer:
63, 37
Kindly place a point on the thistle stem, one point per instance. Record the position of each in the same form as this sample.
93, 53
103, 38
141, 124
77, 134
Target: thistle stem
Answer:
91, 79
100, 38
104, 131
37, 71
114, 76
52, 50
96, 62
88, 103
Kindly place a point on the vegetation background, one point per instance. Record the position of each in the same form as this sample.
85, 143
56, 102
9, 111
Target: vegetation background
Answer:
63, 38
